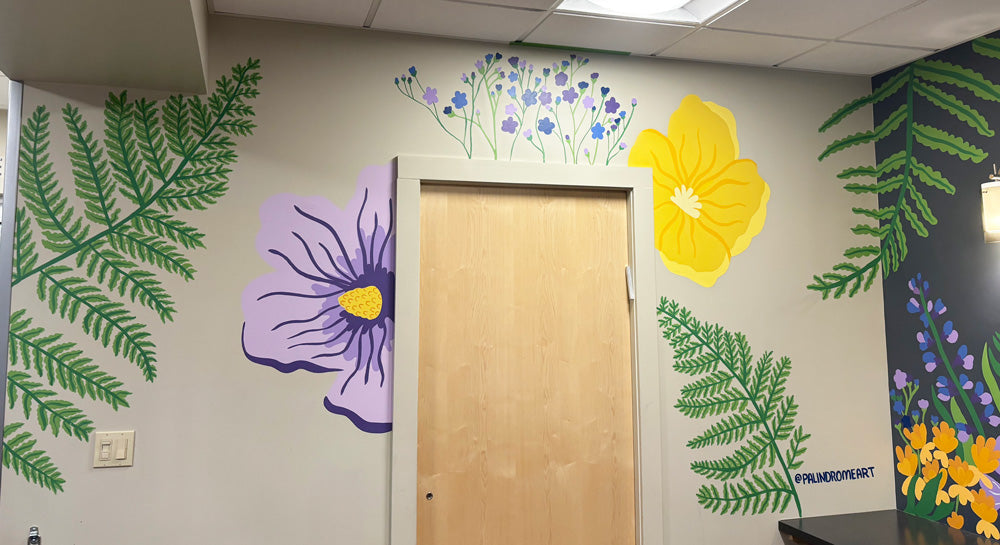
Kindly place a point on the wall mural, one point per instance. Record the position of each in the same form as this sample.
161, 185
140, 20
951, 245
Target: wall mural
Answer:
897, 174
559, 111
708, 203
751, 412
95, 268
961, 414
328, 305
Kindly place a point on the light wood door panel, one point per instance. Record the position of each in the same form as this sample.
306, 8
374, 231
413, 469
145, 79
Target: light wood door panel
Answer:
525, 424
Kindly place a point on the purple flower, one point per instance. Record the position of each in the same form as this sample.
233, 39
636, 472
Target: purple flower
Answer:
479, 65
545, 98
459, 100
597, 131
595, 75
561, 78
465, 77
513, 62
546, 125
530, 97
447, 110
634, 102
431, 96
623, 145
328, 304
527, 134
900, 379
510, 109
611, 106
950, 334
964, 358
923, 404
569, 95
923, 339
912, 306
588, 102
930, 361
510, 124
522, 64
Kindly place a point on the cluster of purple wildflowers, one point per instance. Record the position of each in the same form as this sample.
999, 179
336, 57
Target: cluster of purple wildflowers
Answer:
554, 109
958, 397
901, 398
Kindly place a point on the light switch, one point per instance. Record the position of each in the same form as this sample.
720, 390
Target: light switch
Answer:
114, 448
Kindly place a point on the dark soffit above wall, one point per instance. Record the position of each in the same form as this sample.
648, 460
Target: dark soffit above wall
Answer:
146, 44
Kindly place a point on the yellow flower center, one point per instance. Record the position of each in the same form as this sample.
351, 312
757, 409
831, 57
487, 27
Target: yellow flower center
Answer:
362, 302
686, 200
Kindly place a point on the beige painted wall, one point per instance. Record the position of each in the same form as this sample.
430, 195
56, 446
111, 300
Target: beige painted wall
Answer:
236, 453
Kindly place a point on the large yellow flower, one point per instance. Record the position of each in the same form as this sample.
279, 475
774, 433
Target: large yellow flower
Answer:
944, 437
708, 203
985, 454
917, 436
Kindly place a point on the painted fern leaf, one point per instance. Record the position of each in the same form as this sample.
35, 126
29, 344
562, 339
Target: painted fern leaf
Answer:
30, 463
903, 177
100, 268
752, 414
62, 362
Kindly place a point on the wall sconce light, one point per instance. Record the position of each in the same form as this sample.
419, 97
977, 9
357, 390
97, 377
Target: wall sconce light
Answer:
991, 208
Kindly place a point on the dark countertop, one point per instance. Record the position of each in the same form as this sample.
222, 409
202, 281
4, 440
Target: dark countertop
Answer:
889, 527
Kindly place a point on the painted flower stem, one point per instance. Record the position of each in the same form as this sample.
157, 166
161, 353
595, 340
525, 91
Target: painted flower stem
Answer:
758, 411
946, 362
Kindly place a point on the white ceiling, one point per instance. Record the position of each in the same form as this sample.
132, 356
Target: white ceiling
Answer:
844, 36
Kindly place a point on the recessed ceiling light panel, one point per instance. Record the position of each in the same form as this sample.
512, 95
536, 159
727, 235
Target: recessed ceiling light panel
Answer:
670, 11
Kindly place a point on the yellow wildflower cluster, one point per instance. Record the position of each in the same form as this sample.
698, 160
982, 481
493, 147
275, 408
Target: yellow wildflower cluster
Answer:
925, 460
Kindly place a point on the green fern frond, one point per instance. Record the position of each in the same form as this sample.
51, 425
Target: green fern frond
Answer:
749, 403
884, 213
121, 275
953, 105
25, 256
152, 145
922, 205
177, 125
931, 177
884, 129
192, 198
34, 465
61, 227
729, 430
989, 47
153, 250
63, 362
915, 223
759, 494
861, 251
940, 140
846, 278
795, 448
105, 320
55, 414
889, 164
94, 185
166, 226
952, 74
123, 149
883, 92
884, 186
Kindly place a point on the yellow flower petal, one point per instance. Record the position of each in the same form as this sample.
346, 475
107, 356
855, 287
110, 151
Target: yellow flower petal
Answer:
987, 529
708, 204
963, 494
956, 521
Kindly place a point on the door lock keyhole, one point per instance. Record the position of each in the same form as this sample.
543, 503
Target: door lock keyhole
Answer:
429, 496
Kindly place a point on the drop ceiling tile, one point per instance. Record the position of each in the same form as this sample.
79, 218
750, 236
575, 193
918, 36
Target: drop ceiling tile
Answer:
854, 58
609, 34
524, 4
935, 24
825, 19
738, 47
454, 19
341, 12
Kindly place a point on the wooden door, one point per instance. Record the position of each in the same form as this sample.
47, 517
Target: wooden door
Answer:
525, 418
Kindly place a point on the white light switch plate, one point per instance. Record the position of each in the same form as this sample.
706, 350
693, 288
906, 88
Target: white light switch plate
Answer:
113, 448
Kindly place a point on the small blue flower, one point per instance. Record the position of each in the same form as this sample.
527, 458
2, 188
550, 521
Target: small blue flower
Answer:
594, 76
397, 81
546, 72
912, 306
499, 87
413, 70
538, 81
566, 63
546, 125
530, 98
489, 57
513, 75
605, 91
499, 56
583, 85
512, 92
597, 131
459, 100
949, 332
447, 110
513, 61
930, 361
897, 407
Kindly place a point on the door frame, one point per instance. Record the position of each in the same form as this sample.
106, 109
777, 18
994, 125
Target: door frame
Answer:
637, 183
